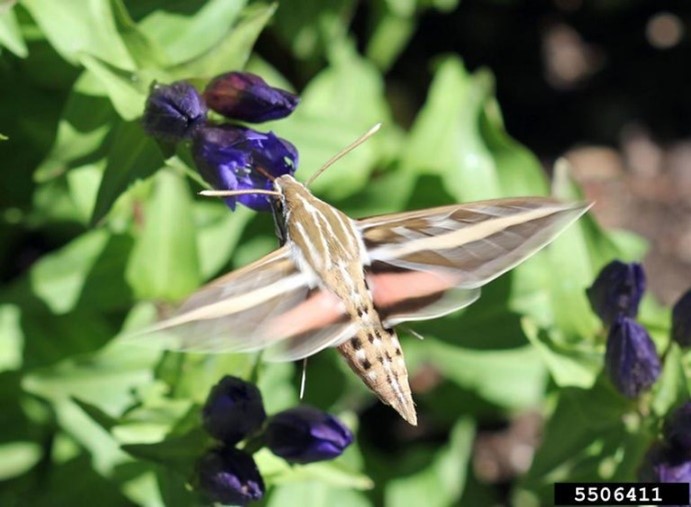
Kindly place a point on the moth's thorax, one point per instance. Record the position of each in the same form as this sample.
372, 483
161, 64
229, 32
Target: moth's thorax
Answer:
324, 237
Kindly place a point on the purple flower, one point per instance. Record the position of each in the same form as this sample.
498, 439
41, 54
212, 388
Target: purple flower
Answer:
617, 290
677, 429
305, 435
173, 112
631, 359
233, 410
675, 469
229, 476
238, 158
247, 97
681, 320
663, 463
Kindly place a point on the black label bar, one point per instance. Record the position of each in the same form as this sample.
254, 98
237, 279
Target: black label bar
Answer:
621, 493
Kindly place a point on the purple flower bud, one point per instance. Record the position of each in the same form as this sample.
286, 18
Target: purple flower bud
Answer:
675, 469
233, 410
305, 435
681, 320
677, 429
238, 158
173, 112
247, 97
663, 463
229, 476
617, 290
631, 359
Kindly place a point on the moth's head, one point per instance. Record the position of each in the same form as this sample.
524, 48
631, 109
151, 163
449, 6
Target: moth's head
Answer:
286, 183
293, 193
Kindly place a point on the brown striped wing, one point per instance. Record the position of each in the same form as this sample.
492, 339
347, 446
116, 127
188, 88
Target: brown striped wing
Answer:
269, 304
431, 262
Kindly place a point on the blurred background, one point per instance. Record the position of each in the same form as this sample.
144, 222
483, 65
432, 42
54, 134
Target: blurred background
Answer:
478, 99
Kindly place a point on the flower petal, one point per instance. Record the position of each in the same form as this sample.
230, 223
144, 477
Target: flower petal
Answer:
305, 434
229, 476
238, 158
247, 97
617, 290
631, 359
173, 112
681, 320
233, 410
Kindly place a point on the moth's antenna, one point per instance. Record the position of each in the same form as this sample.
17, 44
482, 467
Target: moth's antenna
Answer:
303, 380
364, 137
233, 193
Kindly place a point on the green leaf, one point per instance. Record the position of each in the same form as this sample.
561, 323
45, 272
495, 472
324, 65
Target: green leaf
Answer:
84, 125
11, 338
578, 431
442, 482
628, 462
312, 28
512, 378
52, 203
74, 276
164, 263
331, 473
144, 52
49, 338
105, 380
58, 279
184, 37
446, 139
71, 481
389, 38
570, 364
178, 453
10, 33
276, 384
81, 27
131, 156
218, 232
174, 490
572, 272
232, 52
671, 388
127, 90
520, 172
17, 458
315, 494
83, 183
106, 421
157, 417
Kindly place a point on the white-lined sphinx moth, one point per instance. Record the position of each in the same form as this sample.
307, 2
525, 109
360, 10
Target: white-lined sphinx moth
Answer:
346, 283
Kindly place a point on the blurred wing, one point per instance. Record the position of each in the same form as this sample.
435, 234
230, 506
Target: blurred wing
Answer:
428, 263
269, 304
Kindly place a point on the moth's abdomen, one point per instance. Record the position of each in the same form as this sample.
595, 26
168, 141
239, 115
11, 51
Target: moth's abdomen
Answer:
375, 355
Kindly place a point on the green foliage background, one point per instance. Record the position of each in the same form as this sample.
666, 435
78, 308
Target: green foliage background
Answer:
119, 227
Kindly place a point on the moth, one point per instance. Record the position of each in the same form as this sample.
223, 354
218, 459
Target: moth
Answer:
345, 283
